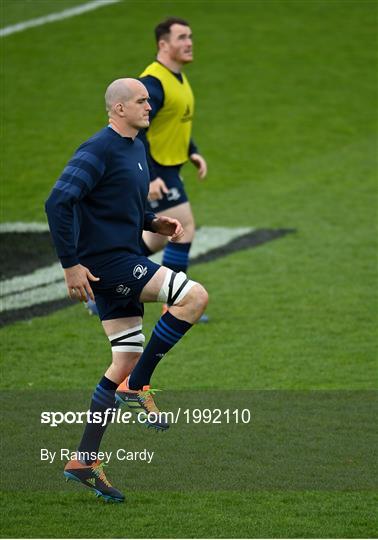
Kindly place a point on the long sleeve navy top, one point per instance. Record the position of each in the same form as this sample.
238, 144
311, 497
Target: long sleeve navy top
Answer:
156, 93
97, 206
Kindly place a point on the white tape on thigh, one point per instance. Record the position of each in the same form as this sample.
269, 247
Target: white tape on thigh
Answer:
130, 340
174, 288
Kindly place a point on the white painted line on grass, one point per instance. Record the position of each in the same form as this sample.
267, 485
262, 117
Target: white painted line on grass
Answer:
22, 227
42, 276
47, 283
59, 16
39, 295
208, 238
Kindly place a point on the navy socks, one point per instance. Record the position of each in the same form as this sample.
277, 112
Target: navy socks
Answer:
103, 398
176, 256
167, 332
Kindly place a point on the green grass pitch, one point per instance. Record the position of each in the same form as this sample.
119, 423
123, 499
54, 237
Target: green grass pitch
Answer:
286, 101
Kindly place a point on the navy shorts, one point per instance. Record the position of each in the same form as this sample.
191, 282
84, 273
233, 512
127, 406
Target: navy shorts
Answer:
177, 194
122, 279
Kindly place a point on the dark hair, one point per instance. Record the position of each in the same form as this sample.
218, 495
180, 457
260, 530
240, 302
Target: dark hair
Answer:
164, 27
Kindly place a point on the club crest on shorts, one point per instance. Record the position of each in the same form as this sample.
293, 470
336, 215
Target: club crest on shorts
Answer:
173, 194
139, 271
122, 289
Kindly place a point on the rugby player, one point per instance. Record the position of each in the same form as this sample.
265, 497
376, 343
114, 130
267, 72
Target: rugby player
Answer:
97, 213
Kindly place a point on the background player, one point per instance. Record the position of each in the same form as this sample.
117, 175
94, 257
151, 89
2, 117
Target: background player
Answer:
168, 140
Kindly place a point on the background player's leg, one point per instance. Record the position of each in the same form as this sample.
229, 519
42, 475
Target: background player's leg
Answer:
176, 255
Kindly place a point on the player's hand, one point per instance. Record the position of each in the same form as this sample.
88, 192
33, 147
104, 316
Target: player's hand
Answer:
157, 189
199, 162
77, 280
168, 227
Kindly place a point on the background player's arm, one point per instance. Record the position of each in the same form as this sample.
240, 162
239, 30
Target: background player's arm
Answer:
197, 159
199, 162
156, 93
157, 189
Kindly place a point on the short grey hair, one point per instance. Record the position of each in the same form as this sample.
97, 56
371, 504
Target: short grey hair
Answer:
117, 91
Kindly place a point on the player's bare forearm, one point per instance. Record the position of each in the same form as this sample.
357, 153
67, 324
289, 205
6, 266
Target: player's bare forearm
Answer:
199, 162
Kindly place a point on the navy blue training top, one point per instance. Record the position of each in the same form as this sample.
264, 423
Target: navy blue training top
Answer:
97, 206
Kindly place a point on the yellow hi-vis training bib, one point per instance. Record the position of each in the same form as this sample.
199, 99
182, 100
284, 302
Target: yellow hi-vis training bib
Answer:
170, 130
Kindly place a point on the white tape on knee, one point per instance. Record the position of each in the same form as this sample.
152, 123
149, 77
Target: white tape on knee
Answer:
130, 340
175, 287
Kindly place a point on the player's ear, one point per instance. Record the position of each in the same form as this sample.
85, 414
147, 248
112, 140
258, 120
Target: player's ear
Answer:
162, 45
120, 109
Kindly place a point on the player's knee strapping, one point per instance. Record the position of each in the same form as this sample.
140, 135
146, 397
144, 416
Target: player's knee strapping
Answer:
130, 340
175, 287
